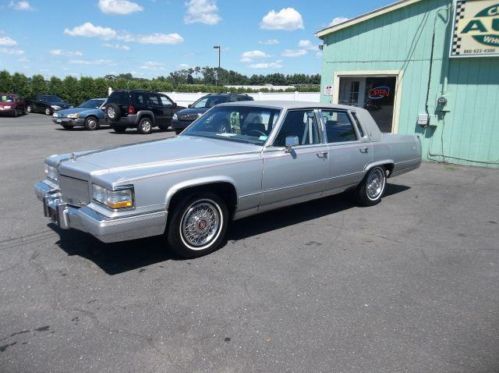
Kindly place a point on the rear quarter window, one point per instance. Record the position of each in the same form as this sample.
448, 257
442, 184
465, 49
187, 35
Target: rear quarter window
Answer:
120, 98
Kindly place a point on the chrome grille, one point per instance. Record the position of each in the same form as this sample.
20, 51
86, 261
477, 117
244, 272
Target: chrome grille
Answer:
74, 191
189, 117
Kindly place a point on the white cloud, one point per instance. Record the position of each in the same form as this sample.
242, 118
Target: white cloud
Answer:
269, 42
121, 7
106, 33
117, 46
250, 56
304, 46
158, 38
294, 52
152, 65
6, 41
20, 5
286, 19
202, 11
12, 51
91, 62
338, 20
90, 31
183, 66
307, 45
267, 65
60, 52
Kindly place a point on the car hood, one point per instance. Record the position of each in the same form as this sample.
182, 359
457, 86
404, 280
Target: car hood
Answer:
76, 110
192, 111
174, 154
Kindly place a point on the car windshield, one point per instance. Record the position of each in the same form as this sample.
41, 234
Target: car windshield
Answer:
209, 101
246, 124
7, 98
92, 104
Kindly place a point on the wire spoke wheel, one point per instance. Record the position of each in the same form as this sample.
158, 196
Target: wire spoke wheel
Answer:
375, 184
201, 224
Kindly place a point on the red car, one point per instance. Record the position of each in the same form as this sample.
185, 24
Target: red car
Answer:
12, 104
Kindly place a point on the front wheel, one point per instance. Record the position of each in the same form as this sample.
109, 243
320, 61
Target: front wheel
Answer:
91, 123
48, 111
371, 189
29, 109
198, 225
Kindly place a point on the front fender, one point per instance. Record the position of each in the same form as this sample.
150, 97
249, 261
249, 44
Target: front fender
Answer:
195, 183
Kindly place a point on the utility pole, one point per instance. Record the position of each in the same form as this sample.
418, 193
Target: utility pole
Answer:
219, 52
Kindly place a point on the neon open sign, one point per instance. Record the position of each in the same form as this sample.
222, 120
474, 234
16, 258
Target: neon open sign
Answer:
377, 93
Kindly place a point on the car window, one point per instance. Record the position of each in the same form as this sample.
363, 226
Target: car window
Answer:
140, 99
359, 127
153, 100
201, 103
302, 124
165, 101
244, 98
236, 123
339, 128
7, 98
215, 100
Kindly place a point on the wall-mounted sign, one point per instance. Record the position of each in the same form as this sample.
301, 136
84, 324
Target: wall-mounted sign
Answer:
328, 90
377, 93
476, 28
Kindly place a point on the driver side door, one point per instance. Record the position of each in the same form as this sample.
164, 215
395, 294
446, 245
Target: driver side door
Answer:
300, 173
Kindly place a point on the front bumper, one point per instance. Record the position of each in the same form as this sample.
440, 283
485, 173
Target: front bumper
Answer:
180, 124
69, 122
102, 227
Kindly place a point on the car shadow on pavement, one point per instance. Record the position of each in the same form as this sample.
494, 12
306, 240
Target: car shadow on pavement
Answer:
113, 258
119, 257
299, 213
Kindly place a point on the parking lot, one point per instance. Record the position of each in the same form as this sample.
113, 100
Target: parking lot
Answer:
409, 285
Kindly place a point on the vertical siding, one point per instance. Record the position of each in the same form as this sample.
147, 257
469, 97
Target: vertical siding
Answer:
402, 40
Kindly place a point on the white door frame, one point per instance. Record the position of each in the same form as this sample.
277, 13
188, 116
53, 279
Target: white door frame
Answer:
398, 74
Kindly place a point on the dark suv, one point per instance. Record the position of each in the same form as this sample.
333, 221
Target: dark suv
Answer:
185, 117
139, 109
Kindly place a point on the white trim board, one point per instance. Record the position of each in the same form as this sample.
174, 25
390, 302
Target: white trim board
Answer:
365, 17
399, 74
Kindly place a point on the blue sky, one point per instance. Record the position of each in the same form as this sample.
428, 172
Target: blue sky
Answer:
154, 37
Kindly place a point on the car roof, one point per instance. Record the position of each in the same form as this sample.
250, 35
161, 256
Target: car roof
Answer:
289, 105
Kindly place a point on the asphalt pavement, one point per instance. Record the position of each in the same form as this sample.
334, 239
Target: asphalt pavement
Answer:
410, 285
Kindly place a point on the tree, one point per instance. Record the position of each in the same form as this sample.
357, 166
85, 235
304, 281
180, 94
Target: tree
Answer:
38, 85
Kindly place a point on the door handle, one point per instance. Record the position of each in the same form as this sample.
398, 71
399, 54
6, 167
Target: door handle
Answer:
321, 155
364, 150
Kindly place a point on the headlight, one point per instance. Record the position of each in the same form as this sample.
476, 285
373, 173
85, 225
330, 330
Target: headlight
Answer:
121, 198
55, 107
7, 107
73, 116
175, 117
55, 115
51, 172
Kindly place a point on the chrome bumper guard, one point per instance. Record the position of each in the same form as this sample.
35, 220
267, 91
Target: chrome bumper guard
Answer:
104, 228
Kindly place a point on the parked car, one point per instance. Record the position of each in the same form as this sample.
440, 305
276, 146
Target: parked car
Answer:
12, 104
139, 109
182, 118
237, 160
46, 104
90, 114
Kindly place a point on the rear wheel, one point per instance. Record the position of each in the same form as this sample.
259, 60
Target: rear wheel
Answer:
91, 123
198, 225
145, 126
371, 189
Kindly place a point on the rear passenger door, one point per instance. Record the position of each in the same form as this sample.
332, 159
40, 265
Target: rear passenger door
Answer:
349, 153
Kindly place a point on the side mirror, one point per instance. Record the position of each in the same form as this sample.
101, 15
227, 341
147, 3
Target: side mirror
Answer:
364, 138
189, 106
290, 142
175, 104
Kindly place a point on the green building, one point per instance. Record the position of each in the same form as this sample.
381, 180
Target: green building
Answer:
429, 67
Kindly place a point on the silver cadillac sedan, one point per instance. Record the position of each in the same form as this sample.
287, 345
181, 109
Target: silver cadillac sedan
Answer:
237, 160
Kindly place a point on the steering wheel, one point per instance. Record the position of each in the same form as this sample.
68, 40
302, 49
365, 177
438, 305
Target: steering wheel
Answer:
258, 133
